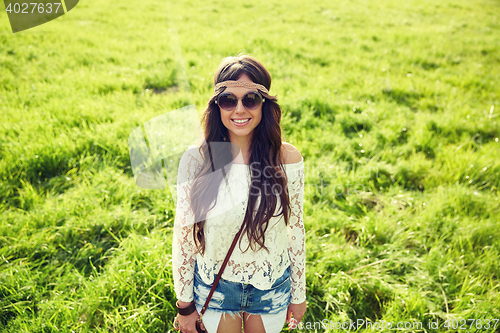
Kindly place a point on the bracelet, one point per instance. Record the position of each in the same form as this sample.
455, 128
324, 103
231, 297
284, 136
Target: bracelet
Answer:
187, 310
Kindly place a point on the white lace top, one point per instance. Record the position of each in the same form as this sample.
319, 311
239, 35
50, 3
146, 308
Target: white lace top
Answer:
286, 244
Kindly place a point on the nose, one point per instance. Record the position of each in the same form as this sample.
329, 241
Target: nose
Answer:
239, 106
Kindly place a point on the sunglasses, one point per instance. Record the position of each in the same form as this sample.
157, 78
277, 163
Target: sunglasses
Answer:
228, 101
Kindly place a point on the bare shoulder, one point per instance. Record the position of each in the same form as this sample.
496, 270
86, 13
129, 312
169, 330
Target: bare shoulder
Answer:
290, 153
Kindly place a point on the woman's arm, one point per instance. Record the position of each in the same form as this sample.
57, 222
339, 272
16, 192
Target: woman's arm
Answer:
183, 247
296, 230
296, 244
296, 239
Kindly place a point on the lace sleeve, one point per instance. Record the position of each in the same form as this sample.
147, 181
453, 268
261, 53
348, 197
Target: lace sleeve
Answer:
296, 237
183, 247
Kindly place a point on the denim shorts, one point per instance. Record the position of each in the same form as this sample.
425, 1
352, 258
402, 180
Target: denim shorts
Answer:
235, 297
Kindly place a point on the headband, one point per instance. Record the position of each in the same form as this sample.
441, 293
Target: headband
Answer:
241, 84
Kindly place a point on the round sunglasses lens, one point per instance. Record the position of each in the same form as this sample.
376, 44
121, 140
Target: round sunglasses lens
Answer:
252, 101
227, 101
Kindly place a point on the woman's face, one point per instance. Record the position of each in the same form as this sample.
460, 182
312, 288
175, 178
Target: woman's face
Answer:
251, 118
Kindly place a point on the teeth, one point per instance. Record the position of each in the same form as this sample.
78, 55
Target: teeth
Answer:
241, 121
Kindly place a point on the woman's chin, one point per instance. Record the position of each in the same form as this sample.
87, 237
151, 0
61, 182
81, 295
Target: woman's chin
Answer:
241, 132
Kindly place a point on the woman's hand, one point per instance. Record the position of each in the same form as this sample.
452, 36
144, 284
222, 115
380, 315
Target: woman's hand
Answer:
187, 324
294, 314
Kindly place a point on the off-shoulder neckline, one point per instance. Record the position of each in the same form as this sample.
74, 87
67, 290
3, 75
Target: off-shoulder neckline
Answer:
285, 165
291, 165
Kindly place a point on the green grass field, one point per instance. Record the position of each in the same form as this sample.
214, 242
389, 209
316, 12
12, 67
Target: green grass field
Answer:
394, 106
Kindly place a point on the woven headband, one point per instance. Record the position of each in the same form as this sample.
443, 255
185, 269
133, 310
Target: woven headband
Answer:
241, 84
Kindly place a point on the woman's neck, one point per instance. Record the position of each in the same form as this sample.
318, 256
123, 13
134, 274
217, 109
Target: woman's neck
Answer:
243, 156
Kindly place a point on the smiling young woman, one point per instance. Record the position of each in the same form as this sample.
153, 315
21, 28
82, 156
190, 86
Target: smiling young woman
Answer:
263, 284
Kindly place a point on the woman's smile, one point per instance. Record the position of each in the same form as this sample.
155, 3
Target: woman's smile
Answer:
241, 122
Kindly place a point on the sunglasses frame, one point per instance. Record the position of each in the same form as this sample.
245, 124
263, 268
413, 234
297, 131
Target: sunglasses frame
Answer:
240, 99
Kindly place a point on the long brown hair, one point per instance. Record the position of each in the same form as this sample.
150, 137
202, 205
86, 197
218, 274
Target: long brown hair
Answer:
265, 153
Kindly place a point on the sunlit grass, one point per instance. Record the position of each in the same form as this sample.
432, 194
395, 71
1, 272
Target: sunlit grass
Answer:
394, 106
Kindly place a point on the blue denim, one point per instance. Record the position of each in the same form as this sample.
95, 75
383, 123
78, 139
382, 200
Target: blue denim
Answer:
235, 297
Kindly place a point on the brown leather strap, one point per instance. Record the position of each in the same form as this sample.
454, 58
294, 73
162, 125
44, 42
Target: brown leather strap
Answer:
216, 282
186, 311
